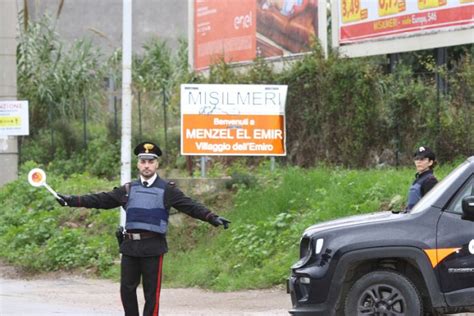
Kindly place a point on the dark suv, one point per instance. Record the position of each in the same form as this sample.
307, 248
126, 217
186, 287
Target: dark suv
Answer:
386, 263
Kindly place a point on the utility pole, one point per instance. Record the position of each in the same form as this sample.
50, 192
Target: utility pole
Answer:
125, 172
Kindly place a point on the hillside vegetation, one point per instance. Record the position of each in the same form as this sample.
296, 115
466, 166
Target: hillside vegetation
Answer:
268, 210
352, 112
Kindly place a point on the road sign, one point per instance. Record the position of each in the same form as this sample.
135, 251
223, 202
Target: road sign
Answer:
14, 118
243, 120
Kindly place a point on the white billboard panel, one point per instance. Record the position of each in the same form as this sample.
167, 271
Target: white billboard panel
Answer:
366, 27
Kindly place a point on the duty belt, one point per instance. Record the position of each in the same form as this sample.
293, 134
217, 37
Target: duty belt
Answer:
140, 236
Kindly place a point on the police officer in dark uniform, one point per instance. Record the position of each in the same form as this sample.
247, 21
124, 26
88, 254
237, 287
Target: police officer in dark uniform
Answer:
147, 202
425, 180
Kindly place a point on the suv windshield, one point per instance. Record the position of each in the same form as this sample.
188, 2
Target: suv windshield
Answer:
433, 194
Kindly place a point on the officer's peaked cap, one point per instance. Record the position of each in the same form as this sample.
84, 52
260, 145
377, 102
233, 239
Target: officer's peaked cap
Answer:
424, 152
147, 150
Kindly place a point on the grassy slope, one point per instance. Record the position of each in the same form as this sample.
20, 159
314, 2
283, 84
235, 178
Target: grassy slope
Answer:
257, 251
267, 222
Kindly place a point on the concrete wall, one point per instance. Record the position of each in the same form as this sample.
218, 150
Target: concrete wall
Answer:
8, 144
101, 21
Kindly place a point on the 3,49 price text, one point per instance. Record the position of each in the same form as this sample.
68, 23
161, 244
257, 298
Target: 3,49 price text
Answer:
351, 11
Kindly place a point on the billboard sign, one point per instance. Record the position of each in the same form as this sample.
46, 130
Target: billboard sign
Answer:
223, 28
366, 22
14, 120
239, 120
239, 31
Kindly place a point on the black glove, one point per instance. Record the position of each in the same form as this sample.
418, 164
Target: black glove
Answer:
217, 220
64, 200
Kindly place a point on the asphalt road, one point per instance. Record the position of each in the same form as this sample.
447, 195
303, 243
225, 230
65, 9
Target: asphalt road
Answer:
80, 296
63, 294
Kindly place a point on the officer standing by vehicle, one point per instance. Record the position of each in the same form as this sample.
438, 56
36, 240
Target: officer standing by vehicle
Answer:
147, 202
425, 161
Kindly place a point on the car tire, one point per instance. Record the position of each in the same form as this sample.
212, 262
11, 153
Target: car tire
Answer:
383, 293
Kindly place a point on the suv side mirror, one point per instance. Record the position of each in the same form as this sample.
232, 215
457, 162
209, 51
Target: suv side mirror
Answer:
468, 208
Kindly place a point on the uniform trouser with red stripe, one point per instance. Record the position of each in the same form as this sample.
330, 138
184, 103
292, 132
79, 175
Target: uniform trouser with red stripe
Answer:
150, 270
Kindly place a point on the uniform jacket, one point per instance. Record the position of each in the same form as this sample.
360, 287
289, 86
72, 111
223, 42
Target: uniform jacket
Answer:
155, 246
422, 184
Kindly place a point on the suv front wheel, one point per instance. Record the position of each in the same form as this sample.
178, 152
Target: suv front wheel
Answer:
383, 293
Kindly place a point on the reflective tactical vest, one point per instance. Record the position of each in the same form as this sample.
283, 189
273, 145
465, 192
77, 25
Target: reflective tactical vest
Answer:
146, 207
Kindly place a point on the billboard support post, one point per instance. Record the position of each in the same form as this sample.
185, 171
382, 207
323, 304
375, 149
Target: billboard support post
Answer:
394, 60
441, 87
203, 166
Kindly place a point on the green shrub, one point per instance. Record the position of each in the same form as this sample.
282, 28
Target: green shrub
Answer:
39, 235
240, 179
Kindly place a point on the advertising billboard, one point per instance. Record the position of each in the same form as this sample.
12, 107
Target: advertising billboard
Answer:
365, 27
243, 120
239, 31
14, 119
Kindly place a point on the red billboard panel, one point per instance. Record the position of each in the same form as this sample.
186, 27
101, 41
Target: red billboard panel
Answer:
224, 29
239, 31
